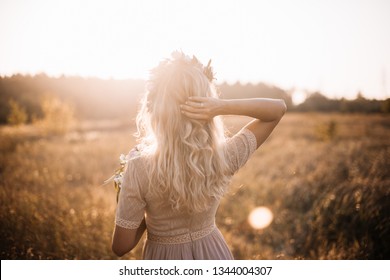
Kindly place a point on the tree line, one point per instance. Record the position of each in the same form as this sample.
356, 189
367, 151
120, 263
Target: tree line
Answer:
22, 96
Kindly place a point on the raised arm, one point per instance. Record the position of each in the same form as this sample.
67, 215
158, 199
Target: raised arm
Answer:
267, 112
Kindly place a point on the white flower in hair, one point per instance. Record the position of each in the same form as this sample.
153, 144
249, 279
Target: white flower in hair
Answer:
176, 55
207, 70
180, 55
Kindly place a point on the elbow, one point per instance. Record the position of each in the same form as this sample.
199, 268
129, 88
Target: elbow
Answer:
123, 240
120, 251
283, 108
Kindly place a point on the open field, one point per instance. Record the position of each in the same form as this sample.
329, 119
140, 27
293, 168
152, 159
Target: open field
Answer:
326, 179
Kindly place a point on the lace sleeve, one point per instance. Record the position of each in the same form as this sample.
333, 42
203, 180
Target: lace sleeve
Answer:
131, 204
240, 147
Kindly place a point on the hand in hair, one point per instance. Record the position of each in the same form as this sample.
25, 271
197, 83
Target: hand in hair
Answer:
267, 112
201, 108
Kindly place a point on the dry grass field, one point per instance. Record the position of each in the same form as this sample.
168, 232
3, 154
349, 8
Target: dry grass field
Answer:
325, 177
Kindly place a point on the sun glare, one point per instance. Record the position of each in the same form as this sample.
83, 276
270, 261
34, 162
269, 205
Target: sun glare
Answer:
260, 217
298, 97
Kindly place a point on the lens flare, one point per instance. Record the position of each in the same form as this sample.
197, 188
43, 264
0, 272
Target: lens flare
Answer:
260, 217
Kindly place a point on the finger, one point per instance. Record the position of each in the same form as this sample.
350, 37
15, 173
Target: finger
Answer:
191, 109
195, 104
198, 98
195, 116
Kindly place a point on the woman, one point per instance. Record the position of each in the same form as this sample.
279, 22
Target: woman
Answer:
184, 164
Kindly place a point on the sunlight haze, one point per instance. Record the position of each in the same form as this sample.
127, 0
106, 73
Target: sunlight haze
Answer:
336, 47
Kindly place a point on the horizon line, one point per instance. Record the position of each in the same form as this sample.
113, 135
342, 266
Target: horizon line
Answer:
289, 91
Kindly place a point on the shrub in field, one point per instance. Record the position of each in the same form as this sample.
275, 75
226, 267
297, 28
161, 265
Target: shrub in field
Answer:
326, 131
58, 117
17, 114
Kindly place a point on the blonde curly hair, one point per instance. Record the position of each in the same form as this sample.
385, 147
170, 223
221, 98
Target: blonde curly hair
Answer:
187, 157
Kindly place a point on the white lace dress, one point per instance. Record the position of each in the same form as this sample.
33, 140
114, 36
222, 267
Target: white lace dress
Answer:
173, 234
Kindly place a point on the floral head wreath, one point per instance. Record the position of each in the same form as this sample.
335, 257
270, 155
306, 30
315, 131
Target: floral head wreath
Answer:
179, 56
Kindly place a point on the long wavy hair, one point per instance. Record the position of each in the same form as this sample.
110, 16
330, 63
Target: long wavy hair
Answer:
188, 161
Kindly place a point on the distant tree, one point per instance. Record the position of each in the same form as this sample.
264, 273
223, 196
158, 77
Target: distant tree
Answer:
359, 96
318, 102
58, 117
17, 114
385, 108
359, 104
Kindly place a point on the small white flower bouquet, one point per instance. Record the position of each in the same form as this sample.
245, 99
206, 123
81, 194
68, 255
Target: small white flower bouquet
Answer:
117, 178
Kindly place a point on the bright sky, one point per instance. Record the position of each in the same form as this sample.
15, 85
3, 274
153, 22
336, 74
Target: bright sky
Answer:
336, 46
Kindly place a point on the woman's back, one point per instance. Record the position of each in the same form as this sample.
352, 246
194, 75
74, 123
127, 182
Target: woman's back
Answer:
174, 187
177, 232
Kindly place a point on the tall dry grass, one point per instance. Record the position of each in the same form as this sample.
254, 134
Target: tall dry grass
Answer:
324, 177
